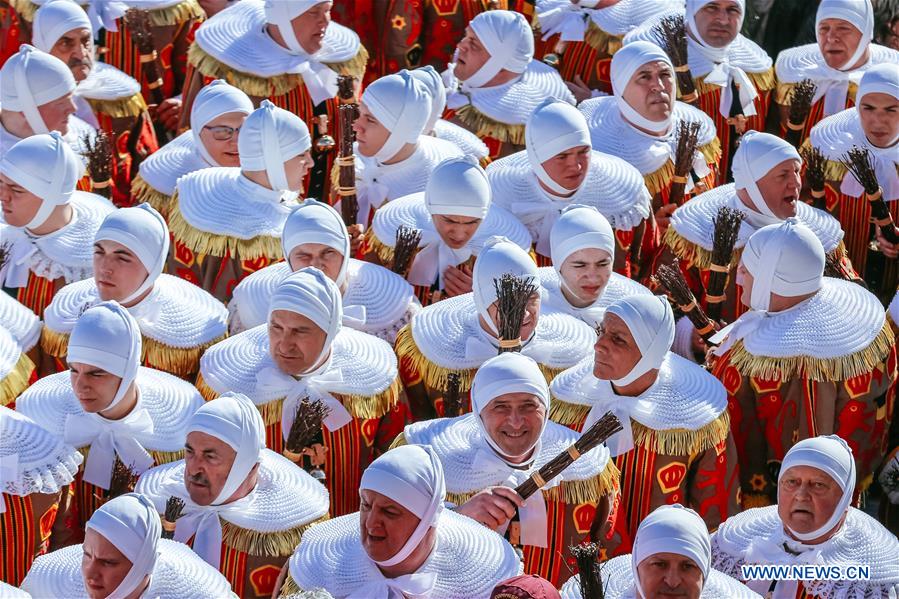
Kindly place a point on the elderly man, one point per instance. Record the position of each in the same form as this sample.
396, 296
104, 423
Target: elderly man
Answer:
558, 168
494, 84
226, 222
304, 351
789, 377
288, 51
504, 440
456, 217
403, 542
49, 227
459, 334
128, 417
245, 508
676, 446
177, 320
672, 556
812, 523
123, 556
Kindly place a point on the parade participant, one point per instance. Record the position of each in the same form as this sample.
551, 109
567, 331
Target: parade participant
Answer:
456, 217
23, 327
227, 222
676, 446
559, 168
844, 51
245, 507
49, 225
813, 522
216, 117
375, 300
494, 84
123, 556
504, 440
287, 51
178, 321
787, 374
105, 97
37, 469
120, 414
301, 351
402, 542
457, 335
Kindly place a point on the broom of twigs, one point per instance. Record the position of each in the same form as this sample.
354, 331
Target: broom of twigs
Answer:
814, 175
687, 141
861, 165
512, 296
800, 106
671, 279
98, 152
727, 227
306, 428
407, 240
122, 481
140, 27
589, 569
452, 401
671, 34
173, 508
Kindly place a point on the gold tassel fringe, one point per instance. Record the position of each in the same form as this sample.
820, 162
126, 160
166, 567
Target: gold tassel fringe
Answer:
132, 106
265, 544
290, 587
681, 441
751, 500
600, 40
175, 15
567, 414
25, 9
763, 81
16, 381
484, 126
373, 244
144, 192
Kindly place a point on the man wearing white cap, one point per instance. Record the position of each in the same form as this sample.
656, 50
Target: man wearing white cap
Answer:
177, 319
558, 168
457, 335
766, 190
227, 222
403, 542
288, 51
506, 438
812, 523
814, 355
301, 351
676, 446
375, 300
672, 556
733, 76
123, 413
105, 97
123, 556
245, 507
49, 226
494, 84
393, 157
844, 51
455, 216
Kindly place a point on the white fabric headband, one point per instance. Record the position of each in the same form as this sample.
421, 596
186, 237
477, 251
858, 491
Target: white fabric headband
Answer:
757, 155
553, 128
458, 186
214, 100
401, 103
55, 19
430, 78
499, 256
508, 39
33, 78
858, 13
651, 322
316, 222
625, 63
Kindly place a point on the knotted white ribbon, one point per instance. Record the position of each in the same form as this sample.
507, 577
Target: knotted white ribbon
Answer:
833, 86
740, 328
434, 258
9, 472
22, 248
623, 407
569, 20
316, 385
769, 549
320, 80
411, 586
722, 73
372, 193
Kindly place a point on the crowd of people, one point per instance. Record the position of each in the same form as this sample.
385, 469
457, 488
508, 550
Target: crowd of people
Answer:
449, 299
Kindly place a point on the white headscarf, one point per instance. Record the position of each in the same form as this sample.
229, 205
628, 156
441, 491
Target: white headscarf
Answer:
32, 78
430, 78
672, 529
457, 187
651, 322
757, 155
553, 128
55, 19
46, 166
579, 227
270, 137
883, 79
402, 104
316, 222
143, 231
499, 256
625, 63
131, 523
213, 101
508, 39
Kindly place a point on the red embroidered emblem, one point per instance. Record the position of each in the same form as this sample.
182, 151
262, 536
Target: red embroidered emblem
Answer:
671, 476
263, 580
583, 516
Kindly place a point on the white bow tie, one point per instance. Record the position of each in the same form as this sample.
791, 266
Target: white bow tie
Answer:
316, 385
411, 586
108, 438
722, 74
569, 20
434, 258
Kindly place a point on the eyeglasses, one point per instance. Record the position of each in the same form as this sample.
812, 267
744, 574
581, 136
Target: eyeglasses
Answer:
222, 132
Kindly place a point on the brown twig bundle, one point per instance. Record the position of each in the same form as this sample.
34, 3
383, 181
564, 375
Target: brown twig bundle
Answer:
346, 163
98, 152
306, 427
512, 296
173, 508
672, 280
140, 27
861, 165
346, 89
727, 228
598, 433
671, 34
814, 175
452, 401
687, 142
407, 240
122, 481
589, 570
800, 106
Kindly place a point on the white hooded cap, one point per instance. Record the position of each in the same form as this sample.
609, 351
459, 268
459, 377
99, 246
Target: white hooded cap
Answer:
508, 39
270, 137
402, 104
625, 63
858, 13
552, 128
499, 256
580, 227
883, 79
54, 19
651, 322
431, 79
458, 186
212, 101
316, 222
757, 155
32, 78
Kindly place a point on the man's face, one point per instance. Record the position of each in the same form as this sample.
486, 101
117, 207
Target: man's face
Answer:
103, 566
807, 498
56, 113
207, 462
718, 22
76, 49
651, 91
117, 270
780, 188
664, 575
514, 421
219, 137
569, 168
471, 55
586, 273
296, 169
745, 280
837, 40
528, 323
295, 341
455, 231
309, 28
94, 387
371, 135
321, 256
19, 204
879, 114
615, 351
385, 525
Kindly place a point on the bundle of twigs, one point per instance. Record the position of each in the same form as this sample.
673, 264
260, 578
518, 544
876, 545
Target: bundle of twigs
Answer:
173, 508
122, 481
671, 34
861, 165
672, 280
98, 152
346, 164
140, 27
512, 296
800, 106
598, 433
727, 227
589, 570
687, 141
814, 175
404, 250
306, 428
452, 401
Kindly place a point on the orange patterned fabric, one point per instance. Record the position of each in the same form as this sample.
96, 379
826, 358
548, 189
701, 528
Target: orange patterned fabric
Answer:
26, 528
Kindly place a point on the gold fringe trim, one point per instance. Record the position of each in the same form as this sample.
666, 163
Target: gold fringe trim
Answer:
692, 254
600, 40
817, 369
382, 251
212, 244
25, 9
265, 544
680, 441
121, 108
484, 126
14, 383
763, 81
566, 413
264, 87
144, 192
660, 178
290, 587
751, 500
175, 15
159, 457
